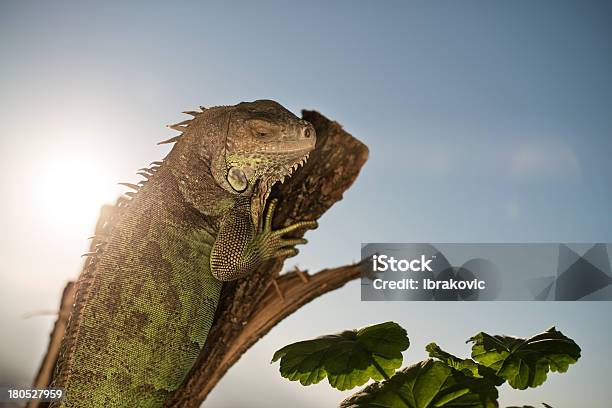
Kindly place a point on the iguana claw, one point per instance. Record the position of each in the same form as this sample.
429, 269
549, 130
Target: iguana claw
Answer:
272, 242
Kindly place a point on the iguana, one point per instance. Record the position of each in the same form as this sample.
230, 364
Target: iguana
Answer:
147, 296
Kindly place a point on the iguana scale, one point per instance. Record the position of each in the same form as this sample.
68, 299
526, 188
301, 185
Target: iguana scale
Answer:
147, 296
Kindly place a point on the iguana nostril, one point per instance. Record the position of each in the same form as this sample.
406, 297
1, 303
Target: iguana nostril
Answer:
307, 132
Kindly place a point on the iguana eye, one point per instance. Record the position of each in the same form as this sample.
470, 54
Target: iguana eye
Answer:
261, 128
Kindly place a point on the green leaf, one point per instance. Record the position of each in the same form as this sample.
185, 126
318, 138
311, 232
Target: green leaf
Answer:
466, 366
426, 384
347, 359
525, 362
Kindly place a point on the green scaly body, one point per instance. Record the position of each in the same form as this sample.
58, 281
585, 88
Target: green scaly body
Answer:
147, 298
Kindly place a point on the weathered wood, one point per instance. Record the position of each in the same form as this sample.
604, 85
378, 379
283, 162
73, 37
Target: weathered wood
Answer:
47, 366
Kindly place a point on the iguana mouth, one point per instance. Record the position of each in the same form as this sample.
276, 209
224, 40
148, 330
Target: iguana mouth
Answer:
288, 148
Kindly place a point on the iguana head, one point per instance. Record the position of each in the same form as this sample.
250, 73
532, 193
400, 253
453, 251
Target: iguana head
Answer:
265, 143
249, 146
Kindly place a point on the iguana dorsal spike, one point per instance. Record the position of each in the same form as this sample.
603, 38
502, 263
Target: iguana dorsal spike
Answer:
171, 140
192, 113
98, 237
177, 127
183, 123
130, 185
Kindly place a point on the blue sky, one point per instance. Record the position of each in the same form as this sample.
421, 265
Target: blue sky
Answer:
486, 122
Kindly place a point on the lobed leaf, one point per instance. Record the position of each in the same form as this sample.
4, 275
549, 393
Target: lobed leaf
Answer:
525, 362
347, 359
466, 366
426, 384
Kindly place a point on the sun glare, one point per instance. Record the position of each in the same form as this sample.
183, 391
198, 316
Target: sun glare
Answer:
70, 190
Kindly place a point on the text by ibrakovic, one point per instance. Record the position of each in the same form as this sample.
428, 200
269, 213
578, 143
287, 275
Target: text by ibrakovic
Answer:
429, 284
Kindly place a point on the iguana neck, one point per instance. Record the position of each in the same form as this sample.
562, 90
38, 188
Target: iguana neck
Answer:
190, 173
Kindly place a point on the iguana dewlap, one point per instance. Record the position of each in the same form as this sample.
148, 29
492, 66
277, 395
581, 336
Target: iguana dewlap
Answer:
147, 298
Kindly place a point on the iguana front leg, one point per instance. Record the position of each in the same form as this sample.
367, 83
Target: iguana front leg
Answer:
240, 247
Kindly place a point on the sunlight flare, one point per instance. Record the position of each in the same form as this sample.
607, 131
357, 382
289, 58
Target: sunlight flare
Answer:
70, 189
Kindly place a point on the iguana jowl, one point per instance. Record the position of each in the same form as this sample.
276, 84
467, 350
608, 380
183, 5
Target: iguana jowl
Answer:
147, 298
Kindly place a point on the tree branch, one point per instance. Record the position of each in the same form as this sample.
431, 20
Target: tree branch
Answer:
273, 308
47, 366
